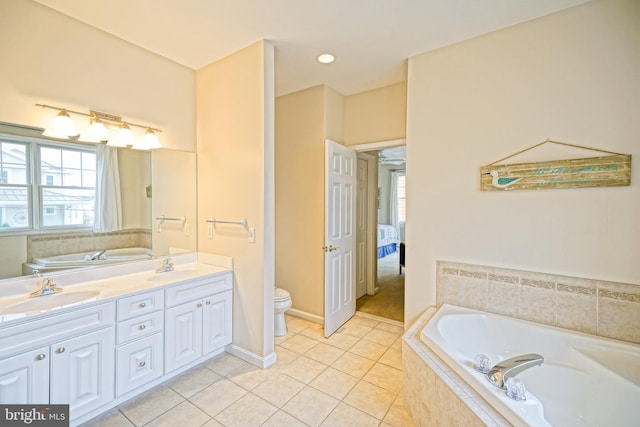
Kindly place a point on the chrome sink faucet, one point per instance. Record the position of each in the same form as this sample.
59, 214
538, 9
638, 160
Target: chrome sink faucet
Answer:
500, 373
47, 287
164, 266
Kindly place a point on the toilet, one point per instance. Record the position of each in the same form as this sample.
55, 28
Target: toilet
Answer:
282, 303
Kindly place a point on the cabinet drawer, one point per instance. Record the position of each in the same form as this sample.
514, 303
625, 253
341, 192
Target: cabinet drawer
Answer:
140, 326
137, 305
139, 362
197, 289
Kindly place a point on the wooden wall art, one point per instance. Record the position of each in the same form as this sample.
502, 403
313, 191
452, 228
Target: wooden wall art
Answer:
604, 171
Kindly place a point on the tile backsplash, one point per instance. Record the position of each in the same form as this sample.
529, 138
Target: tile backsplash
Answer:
43, 245
596, 307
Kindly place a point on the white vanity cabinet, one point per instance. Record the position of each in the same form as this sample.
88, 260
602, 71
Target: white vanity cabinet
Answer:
199, 320
140, 350
66, 358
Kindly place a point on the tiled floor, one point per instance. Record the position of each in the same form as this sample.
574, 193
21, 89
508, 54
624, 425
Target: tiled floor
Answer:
354, 378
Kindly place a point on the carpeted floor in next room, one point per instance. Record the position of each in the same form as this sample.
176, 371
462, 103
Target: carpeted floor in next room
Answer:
389, 301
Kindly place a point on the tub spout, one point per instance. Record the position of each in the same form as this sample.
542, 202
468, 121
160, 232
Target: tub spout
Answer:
500, 373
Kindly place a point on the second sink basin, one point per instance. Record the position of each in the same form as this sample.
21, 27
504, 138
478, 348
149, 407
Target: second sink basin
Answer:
46, 302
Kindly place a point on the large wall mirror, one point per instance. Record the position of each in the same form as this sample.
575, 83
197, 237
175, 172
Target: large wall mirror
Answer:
46, 207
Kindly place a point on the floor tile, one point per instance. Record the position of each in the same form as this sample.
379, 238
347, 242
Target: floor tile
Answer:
356, 329
353, 364
334, 383
224, 364
314, 331
324, 353
295, 324
371, 399
342, 340
364, 321
304, 369
348, 416
284, 356
279, 389
397, 416
381, 337
392, 357
177, 416
386, 377
193, 381
112, 418
282, 419
249, 410
142, 409
311, 406
218, 396
388, 327
298, 343
212, 423
368, 349
249, 376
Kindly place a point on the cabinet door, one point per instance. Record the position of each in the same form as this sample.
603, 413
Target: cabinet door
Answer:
25, 378
183, 334
216, 322
139, 362
82, 371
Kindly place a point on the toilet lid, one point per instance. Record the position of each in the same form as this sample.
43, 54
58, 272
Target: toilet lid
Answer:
280, 294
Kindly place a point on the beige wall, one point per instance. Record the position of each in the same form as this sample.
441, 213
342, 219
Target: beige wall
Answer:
174, 195
235, 181
300, 137
53, 59
376, 115
13, 252
571, 76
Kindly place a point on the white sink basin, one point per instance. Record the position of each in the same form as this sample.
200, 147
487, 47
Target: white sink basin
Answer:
47, 302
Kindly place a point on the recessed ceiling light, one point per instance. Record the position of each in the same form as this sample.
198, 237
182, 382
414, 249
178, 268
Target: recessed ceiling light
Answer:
326, 58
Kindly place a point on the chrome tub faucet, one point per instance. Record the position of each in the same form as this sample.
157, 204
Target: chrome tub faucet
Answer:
501, 372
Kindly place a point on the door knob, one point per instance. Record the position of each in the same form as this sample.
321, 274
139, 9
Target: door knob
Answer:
330, 248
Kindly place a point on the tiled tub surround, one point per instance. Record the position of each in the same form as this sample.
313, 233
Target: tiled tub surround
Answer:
44, 245
607, 309
435, 395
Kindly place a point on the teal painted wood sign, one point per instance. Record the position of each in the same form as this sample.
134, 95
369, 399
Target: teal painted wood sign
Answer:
603, 171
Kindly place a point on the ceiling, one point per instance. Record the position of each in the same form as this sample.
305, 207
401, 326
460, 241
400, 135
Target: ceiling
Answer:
371, 39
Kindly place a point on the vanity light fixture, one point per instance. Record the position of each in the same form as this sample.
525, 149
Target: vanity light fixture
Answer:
104, 127
326, 58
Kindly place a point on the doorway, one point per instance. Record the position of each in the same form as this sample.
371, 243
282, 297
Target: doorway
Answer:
384, 295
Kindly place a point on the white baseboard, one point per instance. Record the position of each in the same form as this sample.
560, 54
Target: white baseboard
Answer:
254, 359
306, 316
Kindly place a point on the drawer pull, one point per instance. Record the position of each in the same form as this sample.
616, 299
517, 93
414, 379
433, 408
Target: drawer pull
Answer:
141, 327
41, 356
142, 305
61, 350
142, 364
199, 304
208, 302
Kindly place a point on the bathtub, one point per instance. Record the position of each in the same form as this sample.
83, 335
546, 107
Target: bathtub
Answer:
584, 381
78, 259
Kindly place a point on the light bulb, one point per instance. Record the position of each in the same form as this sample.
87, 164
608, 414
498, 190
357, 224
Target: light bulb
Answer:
98, 130
123, 138
151, 139
61, 126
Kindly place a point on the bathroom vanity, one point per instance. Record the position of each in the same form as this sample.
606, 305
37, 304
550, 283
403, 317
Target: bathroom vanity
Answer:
102, 341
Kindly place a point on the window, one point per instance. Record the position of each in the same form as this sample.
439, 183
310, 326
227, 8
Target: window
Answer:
46, 184
402, 198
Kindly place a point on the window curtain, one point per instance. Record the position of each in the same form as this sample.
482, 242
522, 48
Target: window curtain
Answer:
108, 206
393, 202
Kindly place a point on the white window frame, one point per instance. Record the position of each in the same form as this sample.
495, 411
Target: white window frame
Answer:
34, 187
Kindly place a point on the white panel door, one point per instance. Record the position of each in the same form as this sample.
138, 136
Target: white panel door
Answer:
25, 378
340, 241
216, 321
82, 371
183, 334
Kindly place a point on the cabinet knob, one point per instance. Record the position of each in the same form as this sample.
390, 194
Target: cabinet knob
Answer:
61, 350
142, 305
142, 364
141, 327
41, 356
199, 304
208, 302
